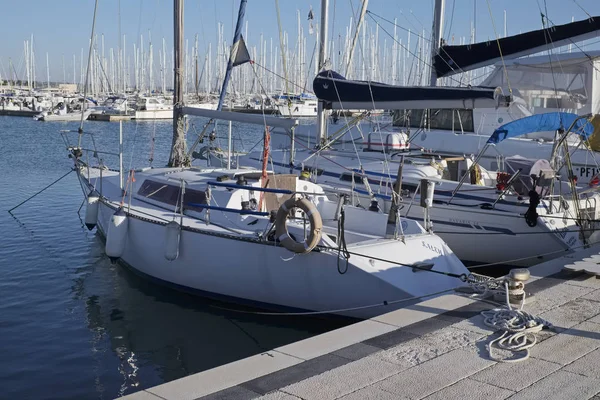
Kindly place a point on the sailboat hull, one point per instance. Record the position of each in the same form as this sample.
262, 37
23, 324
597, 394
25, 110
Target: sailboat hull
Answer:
257, 273
476, 234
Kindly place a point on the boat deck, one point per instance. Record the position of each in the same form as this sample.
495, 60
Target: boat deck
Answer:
433, 350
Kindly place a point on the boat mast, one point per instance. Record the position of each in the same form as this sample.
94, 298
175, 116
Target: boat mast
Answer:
234, 49
196, 80
436, 32
177, 157
321, 121
363, 11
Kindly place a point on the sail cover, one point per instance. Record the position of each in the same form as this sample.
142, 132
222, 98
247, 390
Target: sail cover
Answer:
543, 123
455, 59
339, 93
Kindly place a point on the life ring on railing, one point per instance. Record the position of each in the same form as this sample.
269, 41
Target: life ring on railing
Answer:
316, 225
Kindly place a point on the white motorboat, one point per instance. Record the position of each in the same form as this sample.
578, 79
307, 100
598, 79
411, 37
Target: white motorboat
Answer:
295, 106
153, 108
71, 116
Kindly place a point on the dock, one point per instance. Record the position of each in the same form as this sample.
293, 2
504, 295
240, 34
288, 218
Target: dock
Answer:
19, 113
110, 117
436, 349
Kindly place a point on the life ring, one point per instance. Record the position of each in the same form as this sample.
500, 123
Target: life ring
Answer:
316, 225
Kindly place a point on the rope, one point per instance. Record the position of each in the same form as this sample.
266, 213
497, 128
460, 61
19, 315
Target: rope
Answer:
529, 257
343, 250
280, 76
462, 277
32, 196
519, 327
413, 54
499, 47
339, 310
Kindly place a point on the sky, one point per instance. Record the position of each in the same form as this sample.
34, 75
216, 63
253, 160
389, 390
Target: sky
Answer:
62, 28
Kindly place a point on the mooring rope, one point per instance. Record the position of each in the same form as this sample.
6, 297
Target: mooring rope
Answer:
35, 194
519, 327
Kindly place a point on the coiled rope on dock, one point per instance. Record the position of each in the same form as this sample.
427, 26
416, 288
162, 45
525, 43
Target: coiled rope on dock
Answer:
519, 327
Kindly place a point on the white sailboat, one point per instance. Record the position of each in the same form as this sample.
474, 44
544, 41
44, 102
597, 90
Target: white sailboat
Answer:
255, 238
483, 222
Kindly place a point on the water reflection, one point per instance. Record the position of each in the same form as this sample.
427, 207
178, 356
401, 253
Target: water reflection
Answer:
73, 326
159, 335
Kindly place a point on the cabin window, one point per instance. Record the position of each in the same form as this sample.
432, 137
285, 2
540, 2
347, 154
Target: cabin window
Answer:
446, 119
347, 177
171, 194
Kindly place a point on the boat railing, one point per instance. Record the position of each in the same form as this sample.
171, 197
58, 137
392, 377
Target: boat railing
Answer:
507, 186
242, 211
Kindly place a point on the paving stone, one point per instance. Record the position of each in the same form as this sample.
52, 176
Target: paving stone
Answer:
474, 324
295, 373
343, 380
586, 280
555, 296
469, 389
424, 310
537, 285
547, 334
595, 295
278, 395
356, 351
561, 385
223, 377
335, 340
434, 375
588, 365
390, 339
572, 313
516, 376
569, 345
466, 312
232, 393
427, 326
141, 395
371, 393
425, 348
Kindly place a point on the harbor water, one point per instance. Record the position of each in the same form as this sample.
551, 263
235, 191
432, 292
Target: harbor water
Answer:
75, 326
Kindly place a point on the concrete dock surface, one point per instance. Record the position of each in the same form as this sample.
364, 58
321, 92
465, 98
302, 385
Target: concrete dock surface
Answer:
436, 349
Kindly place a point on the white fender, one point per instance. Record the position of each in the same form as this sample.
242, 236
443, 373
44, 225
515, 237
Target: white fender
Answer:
116, 235
91, 211
172, 236
594, 237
